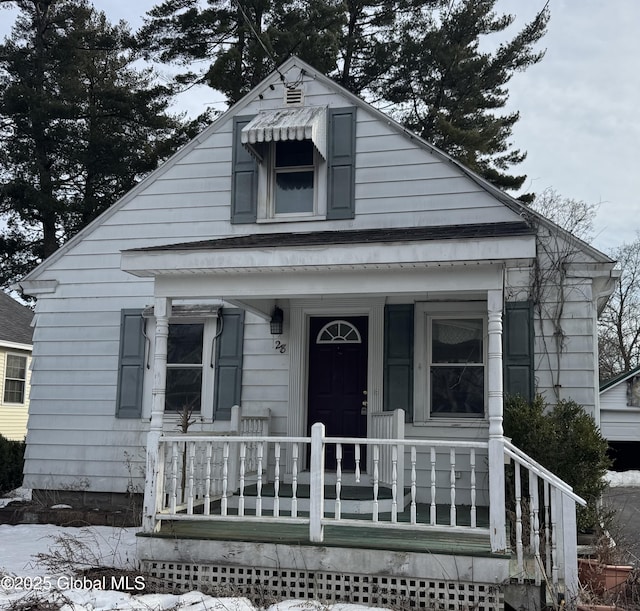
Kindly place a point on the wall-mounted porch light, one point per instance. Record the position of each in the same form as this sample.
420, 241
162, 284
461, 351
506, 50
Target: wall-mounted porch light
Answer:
277, 319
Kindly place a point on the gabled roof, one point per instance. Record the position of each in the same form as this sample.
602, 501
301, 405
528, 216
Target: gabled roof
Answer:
528, 215
15, 321
623, 377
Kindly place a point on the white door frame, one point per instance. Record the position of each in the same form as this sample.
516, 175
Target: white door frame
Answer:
301, 310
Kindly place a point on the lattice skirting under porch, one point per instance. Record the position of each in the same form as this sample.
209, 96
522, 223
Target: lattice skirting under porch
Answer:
325, 586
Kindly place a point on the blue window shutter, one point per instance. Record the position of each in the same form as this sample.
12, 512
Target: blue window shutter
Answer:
518, 349
229, 346
341, 191
398, 359
130, 364
244, 186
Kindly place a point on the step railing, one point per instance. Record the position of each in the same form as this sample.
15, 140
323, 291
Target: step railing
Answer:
542, 515
202, 477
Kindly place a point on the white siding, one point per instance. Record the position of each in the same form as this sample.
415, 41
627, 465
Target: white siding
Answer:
74, 438
618, 421
569, 373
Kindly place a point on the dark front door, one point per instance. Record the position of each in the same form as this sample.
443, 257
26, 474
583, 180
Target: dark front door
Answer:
338, 381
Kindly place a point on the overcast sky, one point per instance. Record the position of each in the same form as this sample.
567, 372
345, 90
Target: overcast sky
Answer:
579, 107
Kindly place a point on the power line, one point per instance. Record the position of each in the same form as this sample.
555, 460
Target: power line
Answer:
257, 37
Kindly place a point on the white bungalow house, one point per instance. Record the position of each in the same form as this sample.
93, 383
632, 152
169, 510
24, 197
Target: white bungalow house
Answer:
333, 310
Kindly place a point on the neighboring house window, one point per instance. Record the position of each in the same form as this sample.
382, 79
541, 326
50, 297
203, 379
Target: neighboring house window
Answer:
184, 367
15, 378
450, 362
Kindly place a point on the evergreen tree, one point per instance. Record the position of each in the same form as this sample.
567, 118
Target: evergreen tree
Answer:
79, 126
368, 45
244, 41
448, 89
423, 58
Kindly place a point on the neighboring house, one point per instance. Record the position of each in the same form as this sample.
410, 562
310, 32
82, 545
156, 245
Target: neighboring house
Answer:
620, 418
307, 260
15, 362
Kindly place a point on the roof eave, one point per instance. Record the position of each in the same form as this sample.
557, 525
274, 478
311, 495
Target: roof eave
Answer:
623, 377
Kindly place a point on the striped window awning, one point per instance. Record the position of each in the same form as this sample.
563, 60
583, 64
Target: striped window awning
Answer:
307, 123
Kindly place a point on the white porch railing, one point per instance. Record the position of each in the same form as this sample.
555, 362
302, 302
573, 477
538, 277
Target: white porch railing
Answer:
204, 477
389, 425
402, 483
542, 516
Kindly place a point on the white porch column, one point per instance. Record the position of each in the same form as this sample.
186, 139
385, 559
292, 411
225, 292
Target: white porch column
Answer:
497, 520
155, 461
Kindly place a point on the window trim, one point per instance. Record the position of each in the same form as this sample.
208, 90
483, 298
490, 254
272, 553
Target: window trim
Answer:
424, 314
6, 377
177, 366
207, 395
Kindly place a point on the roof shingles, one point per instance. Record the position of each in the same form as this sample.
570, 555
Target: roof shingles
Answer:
15, 321
352, 236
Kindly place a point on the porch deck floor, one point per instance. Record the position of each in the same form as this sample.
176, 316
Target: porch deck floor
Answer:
423, 510
335, 535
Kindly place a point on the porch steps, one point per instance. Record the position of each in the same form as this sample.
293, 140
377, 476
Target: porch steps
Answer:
355, 500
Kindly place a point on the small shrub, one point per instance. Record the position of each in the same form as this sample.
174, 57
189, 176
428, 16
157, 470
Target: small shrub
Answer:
566, 440
11, 464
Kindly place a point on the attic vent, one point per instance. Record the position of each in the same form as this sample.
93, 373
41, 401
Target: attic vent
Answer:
293, 97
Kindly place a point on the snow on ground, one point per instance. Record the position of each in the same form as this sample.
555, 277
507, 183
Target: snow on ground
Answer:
20, 570
23, 578
624, 479
19, 494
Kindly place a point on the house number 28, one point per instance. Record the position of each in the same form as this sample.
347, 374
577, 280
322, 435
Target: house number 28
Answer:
280, 347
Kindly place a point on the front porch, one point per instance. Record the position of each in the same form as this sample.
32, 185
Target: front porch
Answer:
434, 506
256, 510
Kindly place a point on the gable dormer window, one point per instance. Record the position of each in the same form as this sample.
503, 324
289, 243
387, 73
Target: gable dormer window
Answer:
293, 177
294, 164
290, 147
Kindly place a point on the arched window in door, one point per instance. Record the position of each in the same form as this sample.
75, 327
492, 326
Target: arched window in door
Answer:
338, 332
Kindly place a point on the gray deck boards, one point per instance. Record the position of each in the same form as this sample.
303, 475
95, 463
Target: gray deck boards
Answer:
364, 537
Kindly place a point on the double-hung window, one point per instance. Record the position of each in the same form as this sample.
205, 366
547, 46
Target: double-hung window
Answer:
289, 146
293, 177
204, 361
456, 367
293, 164
451, 362
184, 367
15, 378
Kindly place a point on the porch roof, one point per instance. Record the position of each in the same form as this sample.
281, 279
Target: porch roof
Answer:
379, 261
351, 249
351, 236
